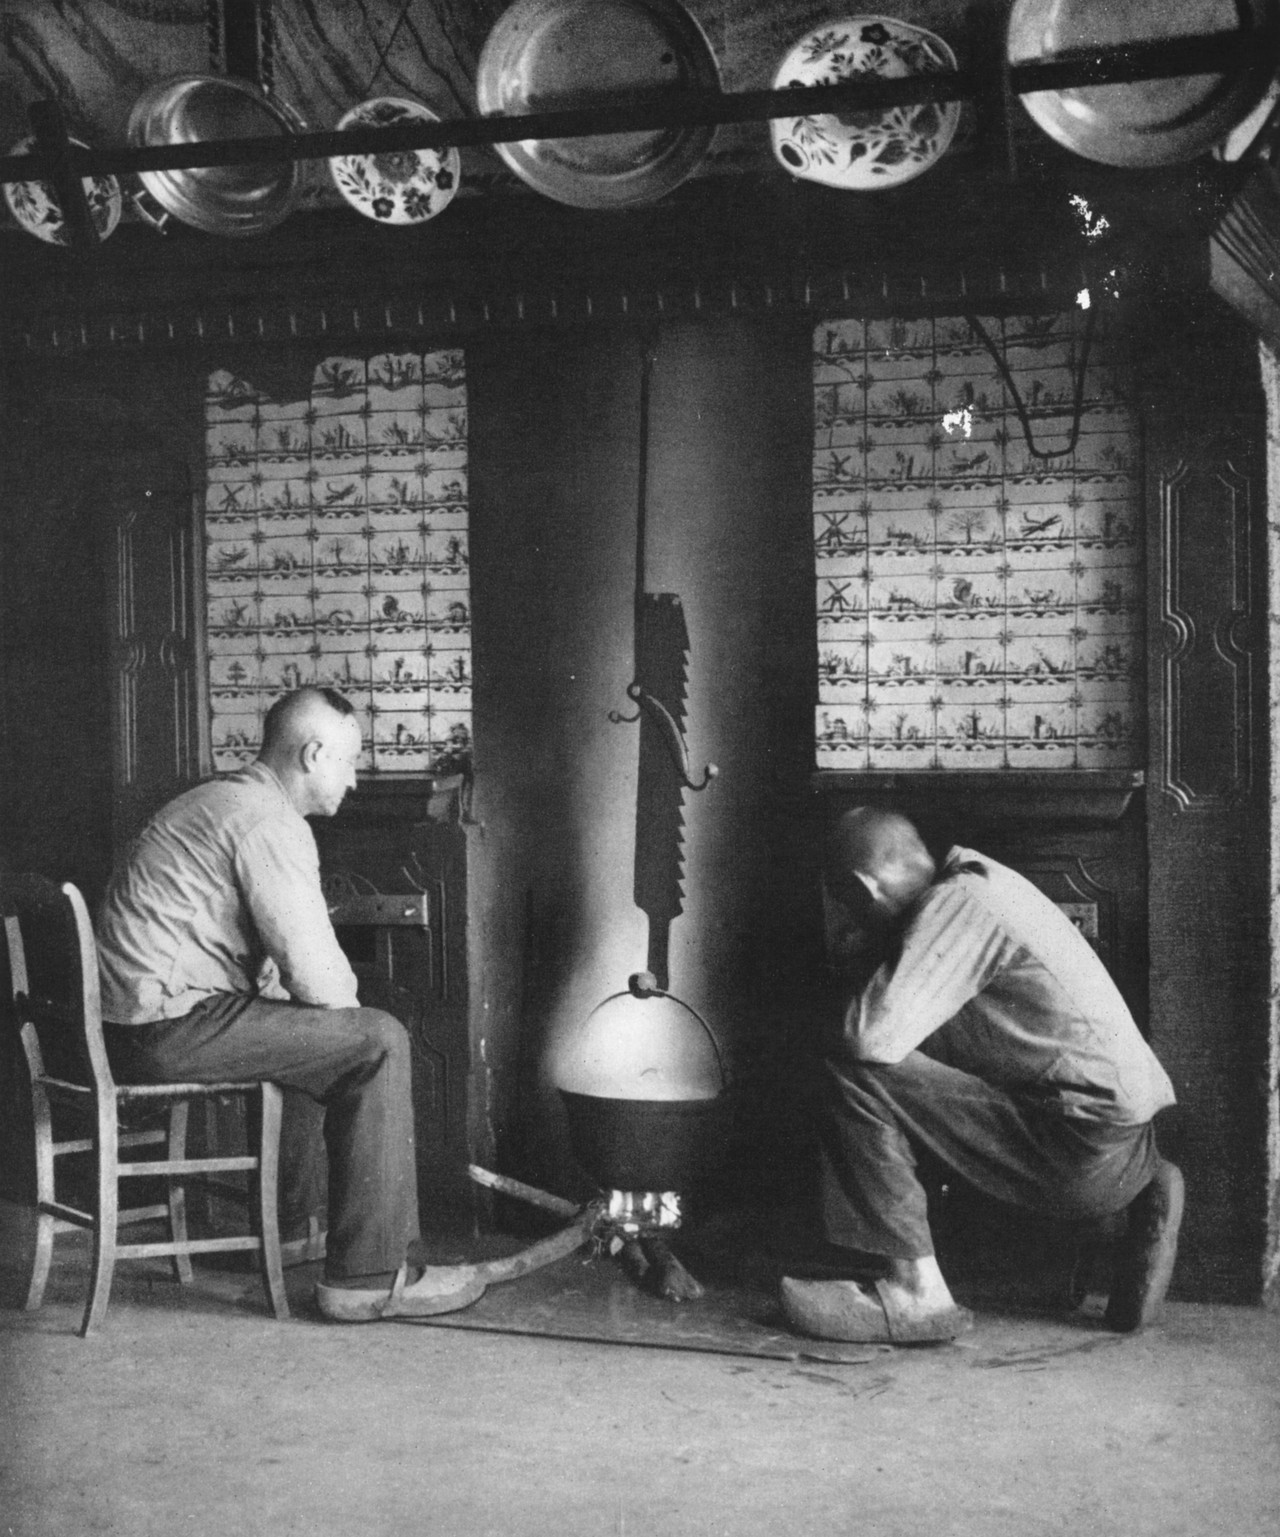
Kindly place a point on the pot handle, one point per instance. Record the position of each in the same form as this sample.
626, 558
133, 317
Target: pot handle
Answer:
149, 210
643, 984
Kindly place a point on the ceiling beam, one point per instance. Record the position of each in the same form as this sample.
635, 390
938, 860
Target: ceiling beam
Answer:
637, 111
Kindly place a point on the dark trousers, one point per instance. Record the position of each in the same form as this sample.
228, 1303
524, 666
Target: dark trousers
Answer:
353, 1062
1014, 1148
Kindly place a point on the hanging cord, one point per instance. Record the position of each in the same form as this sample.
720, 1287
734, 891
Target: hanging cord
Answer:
648, 357
1077, 405
214, 32
266, 46
242, 43
388, 45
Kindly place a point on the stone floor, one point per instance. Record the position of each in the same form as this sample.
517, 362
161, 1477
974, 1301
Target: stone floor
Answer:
195, 1412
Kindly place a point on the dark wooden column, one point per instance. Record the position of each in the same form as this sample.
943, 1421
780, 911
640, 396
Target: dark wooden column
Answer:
1207, 783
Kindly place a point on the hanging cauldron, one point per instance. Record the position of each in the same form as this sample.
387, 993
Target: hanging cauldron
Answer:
641, 1077
226, 199
641, 1080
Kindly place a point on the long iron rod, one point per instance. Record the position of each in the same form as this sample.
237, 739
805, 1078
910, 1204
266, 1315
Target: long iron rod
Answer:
670, 107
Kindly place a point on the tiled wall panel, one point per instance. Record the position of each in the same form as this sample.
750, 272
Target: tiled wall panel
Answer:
979, 606
336, 533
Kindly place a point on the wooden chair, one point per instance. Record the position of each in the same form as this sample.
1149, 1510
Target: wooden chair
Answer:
53, 967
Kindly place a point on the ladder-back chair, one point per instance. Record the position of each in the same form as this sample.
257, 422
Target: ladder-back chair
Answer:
53, 966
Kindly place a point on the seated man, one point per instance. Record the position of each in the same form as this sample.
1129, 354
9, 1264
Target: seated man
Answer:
1037, 1088
219, 961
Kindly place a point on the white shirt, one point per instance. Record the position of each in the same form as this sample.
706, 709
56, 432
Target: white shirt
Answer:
1001, 984
220, 893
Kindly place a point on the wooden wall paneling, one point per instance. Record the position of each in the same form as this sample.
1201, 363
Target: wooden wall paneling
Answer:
158, 725
1205, 742
1207, 800
54, 800
1269, 364
55, 785
493, 264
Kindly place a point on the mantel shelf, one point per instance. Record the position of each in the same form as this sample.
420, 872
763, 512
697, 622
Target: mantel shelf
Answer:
991, 796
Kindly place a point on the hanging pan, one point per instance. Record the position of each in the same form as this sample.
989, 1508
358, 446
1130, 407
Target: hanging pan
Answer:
555, 55
1143, 122
226, 199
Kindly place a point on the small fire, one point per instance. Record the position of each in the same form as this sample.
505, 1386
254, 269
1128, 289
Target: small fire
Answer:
641, 1211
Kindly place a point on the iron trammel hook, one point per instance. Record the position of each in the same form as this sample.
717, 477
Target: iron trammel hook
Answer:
671, 735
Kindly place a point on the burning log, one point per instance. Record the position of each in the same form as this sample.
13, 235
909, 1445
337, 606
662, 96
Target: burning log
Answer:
669, 1278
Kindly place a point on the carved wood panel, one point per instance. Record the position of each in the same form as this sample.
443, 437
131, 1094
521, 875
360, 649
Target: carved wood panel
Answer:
156, 647
1206, 843
1205, 611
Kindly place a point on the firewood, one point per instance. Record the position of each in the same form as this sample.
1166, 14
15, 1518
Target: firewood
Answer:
670, 1279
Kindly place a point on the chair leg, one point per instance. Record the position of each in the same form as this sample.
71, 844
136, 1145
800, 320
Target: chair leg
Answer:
43, 1258
177, 1191
105, 1227
264, 1207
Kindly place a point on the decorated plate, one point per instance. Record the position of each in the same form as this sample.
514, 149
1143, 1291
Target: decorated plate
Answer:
558, 55
1142, 122
882, 147
399, 186
35, 206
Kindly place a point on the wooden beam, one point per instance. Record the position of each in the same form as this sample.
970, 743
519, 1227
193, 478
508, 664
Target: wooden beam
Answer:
638, 111
55, 149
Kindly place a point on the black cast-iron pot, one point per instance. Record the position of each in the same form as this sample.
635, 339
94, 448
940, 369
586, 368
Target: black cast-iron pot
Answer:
646, 1144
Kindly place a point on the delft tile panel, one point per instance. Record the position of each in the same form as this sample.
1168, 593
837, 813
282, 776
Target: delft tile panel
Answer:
336, 532
977, 549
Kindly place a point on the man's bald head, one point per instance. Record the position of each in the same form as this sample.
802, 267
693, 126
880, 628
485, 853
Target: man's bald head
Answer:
310, 741
883, 853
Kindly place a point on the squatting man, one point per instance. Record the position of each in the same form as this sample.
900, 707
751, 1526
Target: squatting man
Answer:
989, 1035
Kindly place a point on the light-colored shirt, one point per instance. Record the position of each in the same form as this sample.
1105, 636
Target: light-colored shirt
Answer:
220, 893
1002, 984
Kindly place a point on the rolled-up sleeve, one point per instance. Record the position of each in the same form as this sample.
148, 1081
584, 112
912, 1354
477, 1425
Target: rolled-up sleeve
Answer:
279, 873
951, 949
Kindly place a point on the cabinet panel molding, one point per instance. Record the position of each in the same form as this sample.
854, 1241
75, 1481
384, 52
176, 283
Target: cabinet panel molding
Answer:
1205, 616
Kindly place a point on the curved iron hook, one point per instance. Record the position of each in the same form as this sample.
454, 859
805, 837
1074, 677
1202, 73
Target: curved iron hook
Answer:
671, 735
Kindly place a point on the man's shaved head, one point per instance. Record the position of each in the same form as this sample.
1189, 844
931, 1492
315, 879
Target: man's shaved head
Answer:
882, 851
301, 716
311, 741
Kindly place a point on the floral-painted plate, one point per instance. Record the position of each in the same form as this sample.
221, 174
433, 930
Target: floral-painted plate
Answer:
400, 186
35, 206
882, 147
